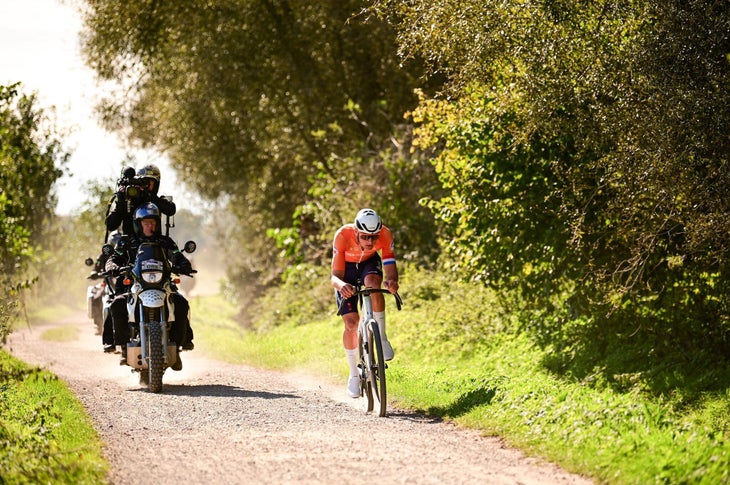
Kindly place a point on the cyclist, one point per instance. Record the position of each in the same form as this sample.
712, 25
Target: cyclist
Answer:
355, 257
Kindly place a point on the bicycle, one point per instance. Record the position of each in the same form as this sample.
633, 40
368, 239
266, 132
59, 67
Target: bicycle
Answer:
371, 362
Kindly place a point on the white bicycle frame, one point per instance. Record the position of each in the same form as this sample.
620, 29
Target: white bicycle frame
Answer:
370, 359
366, 320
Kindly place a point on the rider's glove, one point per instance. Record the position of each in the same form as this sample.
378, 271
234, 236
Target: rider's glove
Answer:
182, 263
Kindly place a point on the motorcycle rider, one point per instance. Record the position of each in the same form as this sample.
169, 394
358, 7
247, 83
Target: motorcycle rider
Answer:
107, 336
146, 183
147, 229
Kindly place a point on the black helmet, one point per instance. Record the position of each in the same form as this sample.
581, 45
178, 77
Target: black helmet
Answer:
146, 211
150, 171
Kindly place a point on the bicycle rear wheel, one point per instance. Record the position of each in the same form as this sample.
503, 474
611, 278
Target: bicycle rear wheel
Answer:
377, 368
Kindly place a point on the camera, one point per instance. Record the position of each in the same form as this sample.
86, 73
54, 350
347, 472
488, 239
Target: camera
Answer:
129, 184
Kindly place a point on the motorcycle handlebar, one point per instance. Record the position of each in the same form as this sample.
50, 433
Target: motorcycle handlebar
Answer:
116, 271
177, 270
126, 269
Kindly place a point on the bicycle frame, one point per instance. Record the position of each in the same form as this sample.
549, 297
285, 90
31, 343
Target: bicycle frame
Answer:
371, 362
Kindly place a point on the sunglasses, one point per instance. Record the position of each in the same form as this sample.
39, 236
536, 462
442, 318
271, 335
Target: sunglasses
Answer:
366, 237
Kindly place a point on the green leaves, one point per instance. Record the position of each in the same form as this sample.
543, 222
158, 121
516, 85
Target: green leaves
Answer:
255, 101
583, 146
31, 158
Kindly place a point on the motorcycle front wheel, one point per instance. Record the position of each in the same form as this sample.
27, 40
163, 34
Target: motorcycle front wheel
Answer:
156, 356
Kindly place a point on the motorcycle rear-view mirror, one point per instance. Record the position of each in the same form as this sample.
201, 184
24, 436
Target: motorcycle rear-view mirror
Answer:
190, 247
89, 262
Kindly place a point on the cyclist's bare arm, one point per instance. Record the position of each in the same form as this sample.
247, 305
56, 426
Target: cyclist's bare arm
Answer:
391, 278
345, 289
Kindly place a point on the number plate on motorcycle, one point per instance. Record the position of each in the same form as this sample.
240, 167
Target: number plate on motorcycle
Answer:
152, 265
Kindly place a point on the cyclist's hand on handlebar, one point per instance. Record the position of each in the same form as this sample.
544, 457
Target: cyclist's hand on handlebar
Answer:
347, 290
391, 285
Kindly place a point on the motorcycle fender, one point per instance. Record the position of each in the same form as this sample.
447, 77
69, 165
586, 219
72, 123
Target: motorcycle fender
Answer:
134, 356
152, 298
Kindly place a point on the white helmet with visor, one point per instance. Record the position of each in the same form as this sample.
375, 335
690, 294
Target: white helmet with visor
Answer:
368, 221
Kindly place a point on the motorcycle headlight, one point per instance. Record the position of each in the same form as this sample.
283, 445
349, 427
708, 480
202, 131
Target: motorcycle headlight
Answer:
152, 276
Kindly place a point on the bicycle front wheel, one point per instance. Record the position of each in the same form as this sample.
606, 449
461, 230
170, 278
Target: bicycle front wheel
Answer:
377, 368
364, 366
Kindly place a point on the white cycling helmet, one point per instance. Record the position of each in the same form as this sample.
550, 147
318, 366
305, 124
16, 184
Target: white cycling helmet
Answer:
368, 221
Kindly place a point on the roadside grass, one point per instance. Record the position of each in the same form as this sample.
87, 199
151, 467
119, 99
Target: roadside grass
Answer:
461, 362
292, 348
45, 434
65, 333
40, 314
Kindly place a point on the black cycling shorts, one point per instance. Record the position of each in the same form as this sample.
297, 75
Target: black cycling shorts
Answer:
355, 274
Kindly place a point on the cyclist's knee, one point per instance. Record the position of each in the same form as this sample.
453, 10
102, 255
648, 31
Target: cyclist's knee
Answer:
373, 280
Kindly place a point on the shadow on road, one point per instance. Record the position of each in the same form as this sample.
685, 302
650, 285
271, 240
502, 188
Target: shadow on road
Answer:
413, 416
217, 390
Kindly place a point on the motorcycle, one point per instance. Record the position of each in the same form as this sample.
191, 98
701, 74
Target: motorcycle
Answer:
98, 298
95, 301
149, 305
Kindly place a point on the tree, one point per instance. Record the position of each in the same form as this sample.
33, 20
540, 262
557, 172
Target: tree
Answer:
584, 146
254, 101
31, 157
634, 92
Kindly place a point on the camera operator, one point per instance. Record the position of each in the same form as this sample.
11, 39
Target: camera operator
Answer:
133, 190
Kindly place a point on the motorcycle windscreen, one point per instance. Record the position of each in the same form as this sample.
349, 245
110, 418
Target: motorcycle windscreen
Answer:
151, 264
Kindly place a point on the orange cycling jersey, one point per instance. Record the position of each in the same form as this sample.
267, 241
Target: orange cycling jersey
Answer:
346, 247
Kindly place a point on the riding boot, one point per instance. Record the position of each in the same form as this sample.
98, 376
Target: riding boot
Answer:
123, 358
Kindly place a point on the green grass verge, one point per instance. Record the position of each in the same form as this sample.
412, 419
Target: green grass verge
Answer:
45, 434
221, 337
66, 333
458, 362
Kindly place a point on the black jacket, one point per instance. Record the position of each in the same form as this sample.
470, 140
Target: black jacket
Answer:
125, 253
123, 209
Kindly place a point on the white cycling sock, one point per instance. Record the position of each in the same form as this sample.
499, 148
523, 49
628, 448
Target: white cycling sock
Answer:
380, 318
352, 361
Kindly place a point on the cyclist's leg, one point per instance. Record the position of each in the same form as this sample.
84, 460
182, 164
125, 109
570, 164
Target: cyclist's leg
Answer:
351, 353
372, 270
350, 319
349, 312
374, 280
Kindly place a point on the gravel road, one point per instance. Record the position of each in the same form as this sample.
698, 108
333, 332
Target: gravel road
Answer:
221, 423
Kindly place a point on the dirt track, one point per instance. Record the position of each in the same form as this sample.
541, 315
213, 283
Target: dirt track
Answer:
220, 423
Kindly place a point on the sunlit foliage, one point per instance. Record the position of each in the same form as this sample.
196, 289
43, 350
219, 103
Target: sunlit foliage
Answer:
31, 157
266, 105
584, 146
